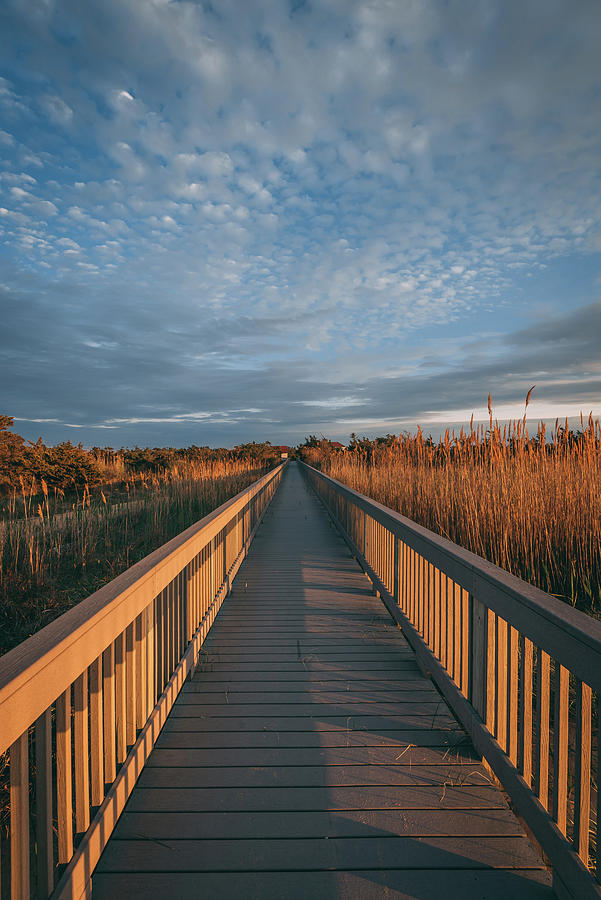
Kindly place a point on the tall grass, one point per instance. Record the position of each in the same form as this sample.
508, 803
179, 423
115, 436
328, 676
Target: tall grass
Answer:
53, 553
530, 504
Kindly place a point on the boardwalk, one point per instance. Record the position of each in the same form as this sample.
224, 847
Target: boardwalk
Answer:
308, 757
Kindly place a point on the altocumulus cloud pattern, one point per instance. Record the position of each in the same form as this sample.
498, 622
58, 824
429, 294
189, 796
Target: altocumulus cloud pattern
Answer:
226, 221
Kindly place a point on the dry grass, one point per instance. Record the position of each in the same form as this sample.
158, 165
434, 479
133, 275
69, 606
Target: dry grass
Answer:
530, 504
52, 556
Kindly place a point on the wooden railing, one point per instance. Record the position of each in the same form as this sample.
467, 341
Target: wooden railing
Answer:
83, 700
520, 669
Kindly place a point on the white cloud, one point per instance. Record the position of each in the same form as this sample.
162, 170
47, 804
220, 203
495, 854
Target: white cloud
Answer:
59, 112
33, 203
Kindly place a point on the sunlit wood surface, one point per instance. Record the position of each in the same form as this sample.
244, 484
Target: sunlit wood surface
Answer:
308, 757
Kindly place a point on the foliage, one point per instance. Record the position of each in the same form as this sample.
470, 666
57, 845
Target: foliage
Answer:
70, 469
65, 467
12, 453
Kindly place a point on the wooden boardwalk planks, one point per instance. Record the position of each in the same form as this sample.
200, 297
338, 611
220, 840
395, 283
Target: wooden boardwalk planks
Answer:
308, 756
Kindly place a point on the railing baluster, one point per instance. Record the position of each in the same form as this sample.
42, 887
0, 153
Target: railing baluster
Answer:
151, 639
501, 732
198, 588
465, 639
450, 626
166, 635
96, 733
82, 755
415, 588
159, 665
108, 697
402, 575
203, 582
19, 818
120, 698
437, 611
364, 547
425, 585
598, 810
442, 599
141, 669
212, 574
221, 558
513, 694
526, 715
43, 805
131, 684
491, 670
176, 599
183, 612
419, 592
169, 633
560, 746
64, 789
193, 586
431, 606
457, 635
182, 608
542, 727
390, 561
189, 604
396, 581
199, 576
419, 588
582, 800
478, 660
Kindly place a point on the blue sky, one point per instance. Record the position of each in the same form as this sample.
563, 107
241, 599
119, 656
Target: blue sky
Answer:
232, 221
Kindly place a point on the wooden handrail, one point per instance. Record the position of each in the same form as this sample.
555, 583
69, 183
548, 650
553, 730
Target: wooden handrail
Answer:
99, 678
519, 668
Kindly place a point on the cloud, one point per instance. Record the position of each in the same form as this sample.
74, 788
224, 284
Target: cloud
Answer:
331, 205
56, 109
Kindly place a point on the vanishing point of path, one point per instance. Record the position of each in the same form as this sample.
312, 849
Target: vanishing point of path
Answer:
308, 757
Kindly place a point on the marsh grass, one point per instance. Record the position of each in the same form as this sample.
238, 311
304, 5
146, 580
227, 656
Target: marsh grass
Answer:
530, 504
54, 553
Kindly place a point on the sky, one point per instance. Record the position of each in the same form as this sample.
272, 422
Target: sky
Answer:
232, 221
